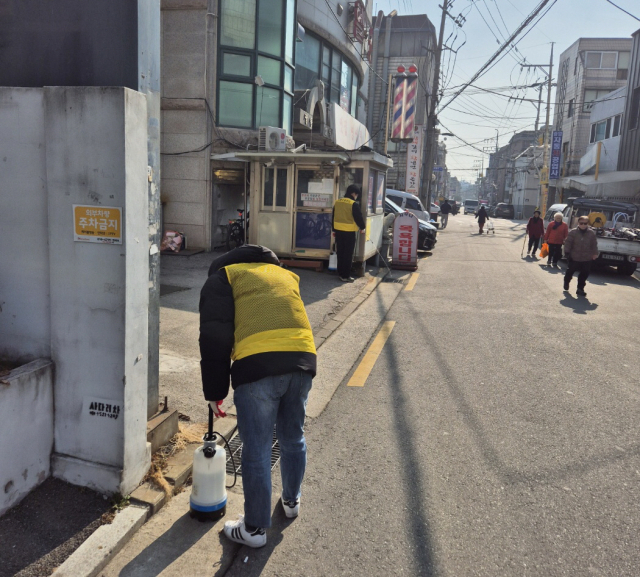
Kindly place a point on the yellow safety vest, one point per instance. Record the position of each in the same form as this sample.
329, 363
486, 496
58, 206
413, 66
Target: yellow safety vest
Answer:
269, 313
343, 215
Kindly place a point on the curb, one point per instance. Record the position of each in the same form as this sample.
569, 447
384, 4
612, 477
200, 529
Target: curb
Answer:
100, 548
94, 554
326, 330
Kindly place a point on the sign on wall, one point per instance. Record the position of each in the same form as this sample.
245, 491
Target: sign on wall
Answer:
414, 161
556, 152
102, 224
405, 242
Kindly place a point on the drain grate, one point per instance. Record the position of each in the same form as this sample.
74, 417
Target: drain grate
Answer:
167, 289
235, 448
394, 280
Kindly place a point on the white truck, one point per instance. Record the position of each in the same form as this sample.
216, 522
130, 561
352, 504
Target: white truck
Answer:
615, 225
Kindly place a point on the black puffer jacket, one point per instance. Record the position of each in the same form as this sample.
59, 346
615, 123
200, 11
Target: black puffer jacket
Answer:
217, 313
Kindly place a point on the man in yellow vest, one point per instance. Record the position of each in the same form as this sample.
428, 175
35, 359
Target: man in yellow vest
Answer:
347, 220
251, 313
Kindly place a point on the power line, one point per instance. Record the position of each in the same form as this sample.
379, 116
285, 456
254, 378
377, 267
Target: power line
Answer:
522, 26
629, 13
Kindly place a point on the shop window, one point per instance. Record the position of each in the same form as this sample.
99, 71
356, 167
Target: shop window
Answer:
336, 74
623, 66
256, 38
267, 107
237, 24
236, 64
270, 26
307, 62
236, 103
617, 121
315, 188
606, 60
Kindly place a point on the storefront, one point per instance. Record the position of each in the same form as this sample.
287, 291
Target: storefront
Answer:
291, 195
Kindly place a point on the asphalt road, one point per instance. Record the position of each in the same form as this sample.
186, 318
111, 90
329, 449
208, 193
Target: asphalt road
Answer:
497, 434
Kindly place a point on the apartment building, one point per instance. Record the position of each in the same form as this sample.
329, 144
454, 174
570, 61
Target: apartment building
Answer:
588, 70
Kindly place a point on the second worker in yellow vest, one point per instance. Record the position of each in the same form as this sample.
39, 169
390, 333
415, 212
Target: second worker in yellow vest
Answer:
347, 221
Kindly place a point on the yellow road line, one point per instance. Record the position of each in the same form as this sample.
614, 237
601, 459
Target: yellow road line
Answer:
361, 374
412, 281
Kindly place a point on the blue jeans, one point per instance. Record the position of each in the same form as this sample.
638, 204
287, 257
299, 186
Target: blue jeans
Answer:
279, 401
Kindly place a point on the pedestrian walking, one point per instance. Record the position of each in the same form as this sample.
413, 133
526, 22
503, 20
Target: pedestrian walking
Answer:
251, 312
557, 232
581, 249
482, 217
445, 211
347, 221
535, 228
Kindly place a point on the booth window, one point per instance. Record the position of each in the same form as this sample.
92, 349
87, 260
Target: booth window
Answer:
274, 192
316, 59
256, 38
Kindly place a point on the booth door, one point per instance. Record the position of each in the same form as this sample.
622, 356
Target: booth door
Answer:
314, 196
274, 214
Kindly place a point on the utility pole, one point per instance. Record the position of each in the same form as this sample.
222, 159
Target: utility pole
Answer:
539, 107
544, 186
432, 132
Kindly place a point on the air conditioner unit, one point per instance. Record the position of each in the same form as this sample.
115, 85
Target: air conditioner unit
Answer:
271, 139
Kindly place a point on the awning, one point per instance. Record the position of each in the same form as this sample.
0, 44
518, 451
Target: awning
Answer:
282, 156
619, 185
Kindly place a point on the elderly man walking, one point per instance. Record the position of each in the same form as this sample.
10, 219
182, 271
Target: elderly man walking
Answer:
581, 249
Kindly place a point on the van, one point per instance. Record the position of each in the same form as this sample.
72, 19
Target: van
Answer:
408, 201
470, 206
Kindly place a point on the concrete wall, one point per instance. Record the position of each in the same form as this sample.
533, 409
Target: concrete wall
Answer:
25, 328
26, 430
99, 292
68, 43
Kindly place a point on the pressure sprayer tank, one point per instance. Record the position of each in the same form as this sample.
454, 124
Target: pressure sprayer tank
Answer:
208, 492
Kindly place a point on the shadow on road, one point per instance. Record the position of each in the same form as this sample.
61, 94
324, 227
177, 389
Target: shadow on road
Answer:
580, 306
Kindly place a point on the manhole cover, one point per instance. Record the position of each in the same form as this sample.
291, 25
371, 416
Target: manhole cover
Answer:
235, 449
167, 289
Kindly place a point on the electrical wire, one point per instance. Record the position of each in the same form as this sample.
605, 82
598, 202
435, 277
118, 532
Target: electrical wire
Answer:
494, 59
618, 7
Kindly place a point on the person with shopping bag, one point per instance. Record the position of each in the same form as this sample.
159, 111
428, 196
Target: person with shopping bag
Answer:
535, 229
555, 236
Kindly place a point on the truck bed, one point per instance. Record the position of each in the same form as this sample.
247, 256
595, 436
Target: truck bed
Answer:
619, 246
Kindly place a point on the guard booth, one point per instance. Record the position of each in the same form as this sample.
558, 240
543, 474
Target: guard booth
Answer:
291, 195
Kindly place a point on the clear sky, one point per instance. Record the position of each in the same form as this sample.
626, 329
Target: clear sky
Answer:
476, 116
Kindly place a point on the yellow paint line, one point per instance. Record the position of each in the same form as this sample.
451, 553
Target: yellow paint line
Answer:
359, 377
412, 281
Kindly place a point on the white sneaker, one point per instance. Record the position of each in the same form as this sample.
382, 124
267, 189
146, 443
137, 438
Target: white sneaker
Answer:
236, 531
291, 508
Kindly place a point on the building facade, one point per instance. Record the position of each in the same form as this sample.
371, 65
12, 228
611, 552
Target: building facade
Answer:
629, 157
588, 70
230, 67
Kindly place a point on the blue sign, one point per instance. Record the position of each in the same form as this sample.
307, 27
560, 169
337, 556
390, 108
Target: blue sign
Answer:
438, 169
556, 154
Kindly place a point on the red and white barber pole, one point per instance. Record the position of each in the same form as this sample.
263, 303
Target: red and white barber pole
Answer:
405, 242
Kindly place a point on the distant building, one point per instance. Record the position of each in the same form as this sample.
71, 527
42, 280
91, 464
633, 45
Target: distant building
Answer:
629, 157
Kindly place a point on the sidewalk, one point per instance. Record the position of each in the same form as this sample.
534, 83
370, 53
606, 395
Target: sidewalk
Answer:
170, 542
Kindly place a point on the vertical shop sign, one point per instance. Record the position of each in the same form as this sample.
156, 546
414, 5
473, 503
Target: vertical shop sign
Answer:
556, 152
405, 242
414, 161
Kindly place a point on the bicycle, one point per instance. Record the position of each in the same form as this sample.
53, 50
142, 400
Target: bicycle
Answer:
235, 232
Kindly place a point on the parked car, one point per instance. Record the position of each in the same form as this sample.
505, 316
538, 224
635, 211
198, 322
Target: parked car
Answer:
409, 202
427, 233
504, 210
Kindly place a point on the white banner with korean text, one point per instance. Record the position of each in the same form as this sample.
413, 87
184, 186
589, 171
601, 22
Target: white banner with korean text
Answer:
414, 161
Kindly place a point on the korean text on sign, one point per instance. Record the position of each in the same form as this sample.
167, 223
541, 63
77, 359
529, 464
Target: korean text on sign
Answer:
101, 224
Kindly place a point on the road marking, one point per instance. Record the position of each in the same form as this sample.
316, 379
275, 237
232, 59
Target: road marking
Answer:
360, 375
412, 281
